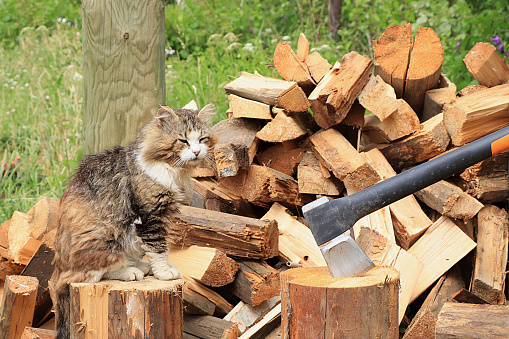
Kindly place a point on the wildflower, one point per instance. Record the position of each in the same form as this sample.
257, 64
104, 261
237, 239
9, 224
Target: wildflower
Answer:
286, 38
501, 48
496, 40
232, 47
59, 20
458, 44
249, 47
27, 84
230, 37
214, 37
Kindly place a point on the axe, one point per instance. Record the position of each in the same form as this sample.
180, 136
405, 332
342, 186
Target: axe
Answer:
330, 220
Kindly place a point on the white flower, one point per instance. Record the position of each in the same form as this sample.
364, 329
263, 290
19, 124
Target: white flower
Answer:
286, 38
230, 37
249, 47
233, 46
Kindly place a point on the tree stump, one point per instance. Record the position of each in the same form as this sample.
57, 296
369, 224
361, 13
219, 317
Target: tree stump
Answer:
118, 309
316, 305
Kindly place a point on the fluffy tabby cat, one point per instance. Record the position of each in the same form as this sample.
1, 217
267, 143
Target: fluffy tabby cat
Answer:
116, 206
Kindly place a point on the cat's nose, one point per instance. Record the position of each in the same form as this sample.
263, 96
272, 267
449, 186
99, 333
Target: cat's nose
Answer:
197, 152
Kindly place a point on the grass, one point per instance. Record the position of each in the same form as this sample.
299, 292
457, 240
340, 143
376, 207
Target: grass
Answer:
208, 45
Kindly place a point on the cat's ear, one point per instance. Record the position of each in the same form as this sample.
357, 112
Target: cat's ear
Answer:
165, 113
207, 113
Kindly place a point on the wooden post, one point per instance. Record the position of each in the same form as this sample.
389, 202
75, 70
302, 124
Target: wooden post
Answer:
116, 309
123, 69
316, 305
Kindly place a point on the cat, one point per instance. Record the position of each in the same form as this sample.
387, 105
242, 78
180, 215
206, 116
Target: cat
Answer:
119, 202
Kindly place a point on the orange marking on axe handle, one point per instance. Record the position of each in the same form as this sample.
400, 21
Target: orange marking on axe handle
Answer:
500, 145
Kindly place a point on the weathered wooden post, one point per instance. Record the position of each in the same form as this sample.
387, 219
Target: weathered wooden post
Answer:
123, 69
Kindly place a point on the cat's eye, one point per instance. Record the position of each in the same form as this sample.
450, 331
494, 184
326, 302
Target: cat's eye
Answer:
204, 139
184, 141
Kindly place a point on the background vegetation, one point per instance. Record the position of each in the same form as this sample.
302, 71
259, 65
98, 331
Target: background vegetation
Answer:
209, 42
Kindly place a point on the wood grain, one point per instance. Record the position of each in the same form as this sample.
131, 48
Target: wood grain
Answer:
123, 70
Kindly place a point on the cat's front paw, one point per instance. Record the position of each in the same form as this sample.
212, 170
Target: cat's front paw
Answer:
144, 267
128, 273
168, 273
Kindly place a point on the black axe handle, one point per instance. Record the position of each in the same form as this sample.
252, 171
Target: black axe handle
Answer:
333, 218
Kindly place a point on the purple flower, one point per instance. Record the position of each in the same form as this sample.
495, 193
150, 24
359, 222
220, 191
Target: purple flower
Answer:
458, 44
501, 48
496, 40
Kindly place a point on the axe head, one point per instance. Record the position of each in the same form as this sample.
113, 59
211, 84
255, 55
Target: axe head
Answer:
343, 255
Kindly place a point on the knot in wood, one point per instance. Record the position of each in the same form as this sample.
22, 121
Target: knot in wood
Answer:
126, 36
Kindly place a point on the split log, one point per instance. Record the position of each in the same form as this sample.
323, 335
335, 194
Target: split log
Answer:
470, 89
256, 281
311, 178
440, 248
296, 242
237, 145
379, 98
379, 222
208, 327
150, 308
246, 315
435, 99
208, 265
424, 322
342, 159
18, 303
27, 229
429, 142
486, 65
336, 96
465, 296
408, 218
281, 159
316, 305
488, 278
196, 303
210, 195
488, 180
392, 55
302, 47
264, 327
41, 266
273, 92
245, 108
458, 320
449, 200
318, 66
263, 185
234, 235
192, 288
290, 67
7, 265
402, 122
284, 127
385, 252
475, 115
424, 67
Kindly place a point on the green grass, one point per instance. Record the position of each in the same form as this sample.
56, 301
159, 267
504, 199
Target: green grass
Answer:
209, 43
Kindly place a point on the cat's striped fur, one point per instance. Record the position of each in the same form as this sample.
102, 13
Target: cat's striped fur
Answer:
119, 202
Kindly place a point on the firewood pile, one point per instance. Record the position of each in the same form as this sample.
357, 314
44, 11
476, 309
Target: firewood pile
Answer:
288, 141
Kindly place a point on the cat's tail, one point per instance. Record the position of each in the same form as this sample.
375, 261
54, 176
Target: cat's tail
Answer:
62, 303
63, 314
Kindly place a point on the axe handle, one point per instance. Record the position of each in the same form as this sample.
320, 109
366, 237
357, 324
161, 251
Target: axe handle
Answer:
332, 218
432, 171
